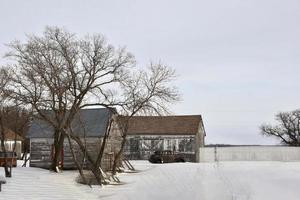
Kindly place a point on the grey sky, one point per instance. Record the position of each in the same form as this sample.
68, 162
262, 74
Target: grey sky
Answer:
238, 60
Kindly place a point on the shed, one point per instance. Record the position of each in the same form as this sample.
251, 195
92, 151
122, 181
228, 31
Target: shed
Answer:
89, 124
182, 133
13, 142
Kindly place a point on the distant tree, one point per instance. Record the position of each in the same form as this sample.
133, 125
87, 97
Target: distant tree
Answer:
17, 118
287, 130
4, 81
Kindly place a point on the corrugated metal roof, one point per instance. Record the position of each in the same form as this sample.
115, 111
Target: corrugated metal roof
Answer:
88, 122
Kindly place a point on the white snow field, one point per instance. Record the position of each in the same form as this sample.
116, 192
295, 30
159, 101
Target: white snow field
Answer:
177, 181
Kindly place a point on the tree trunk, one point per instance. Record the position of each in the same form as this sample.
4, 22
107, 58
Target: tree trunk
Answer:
58, 147
94, 168
6, 169
118, 156
103, 143
79, 167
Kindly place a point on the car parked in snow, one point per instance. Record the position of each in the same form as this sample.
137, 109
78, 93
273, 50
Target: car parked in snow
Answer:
166, 157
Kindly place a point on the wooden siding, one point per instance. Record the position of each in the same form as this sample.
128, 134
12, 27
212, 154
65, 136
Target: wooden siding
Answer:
41, 149
141, 147
40, 152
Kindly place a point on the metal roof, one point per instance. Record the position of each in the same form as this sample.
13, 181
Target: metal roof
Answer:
88, 122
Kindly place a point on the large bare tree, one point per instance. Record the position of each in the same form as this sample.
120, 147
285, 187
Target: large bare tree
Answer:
287, 130
61, 73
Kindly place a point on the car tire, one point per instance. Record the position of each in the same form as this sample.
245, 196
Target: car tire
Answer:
180, 160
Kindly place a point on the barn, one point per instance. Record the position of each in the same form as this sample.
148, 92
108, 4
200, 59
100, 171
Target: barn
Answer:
90, 125
183, 134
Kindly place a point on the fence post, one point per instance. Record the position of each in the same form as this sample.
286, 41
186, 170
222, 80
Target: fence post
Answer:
215, 152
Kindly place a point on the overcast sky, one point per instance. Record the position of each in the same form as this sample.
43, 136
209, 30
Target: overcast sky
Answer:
238, 61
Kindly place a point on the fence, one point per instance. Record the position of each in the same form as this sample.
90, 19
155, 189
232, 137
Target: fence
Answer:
249, 153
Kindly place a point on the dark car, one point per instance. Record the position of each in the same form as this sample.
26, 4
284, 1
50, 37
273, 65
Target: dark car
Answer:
166, 157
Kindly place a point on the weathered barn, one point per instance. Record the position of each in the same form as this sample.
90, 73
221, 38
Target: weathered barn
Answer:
183, 134
90, 125
13, 142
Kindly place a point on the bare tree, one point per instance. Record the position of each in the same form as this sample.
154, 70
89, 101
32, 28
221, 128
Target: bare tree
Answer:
17, 118
4, 80
94, 163
146, 92
61, 73
143, 92
287, 130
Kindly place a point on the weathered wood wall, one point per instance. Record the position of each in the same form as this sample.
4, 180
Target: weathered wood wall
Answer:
142, 146
41, 150
199, 141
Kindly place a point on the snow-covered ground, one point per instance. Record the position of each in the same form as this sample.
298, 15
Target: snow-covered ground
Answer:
177, 181
39, 184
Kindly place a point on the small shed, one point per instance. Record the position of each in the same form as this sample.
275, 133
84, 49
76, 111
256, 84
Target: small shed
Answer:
90, 125
183, 134
13, 142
